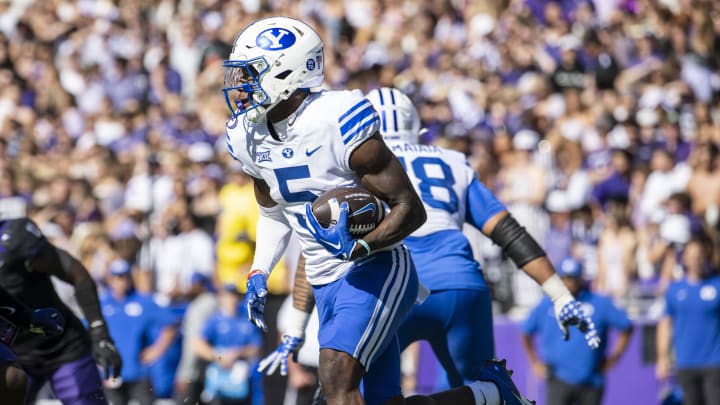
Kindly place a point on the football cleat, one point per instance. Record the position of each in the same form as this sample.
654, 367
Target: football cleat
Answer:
496, 372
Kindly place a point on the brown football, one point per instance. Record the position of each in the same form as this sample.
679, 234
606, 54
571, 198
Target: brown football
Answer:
366, 210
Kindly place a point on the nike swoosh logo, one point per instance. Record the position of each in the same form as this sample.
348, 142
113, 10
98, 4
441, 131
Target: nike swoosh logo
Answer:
366, 208
9, 309
309, 152
333, 245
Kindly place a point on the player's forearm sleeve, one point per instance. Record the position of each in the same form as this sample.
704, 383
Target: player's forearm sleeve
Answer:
86, 295
273, 234
72, 271
515, 241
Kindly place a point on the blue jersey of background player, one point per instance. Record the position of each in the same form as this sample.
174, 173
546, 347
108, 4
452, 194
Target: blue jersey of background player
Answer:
690, 328
575, 374
133, 318
462, 339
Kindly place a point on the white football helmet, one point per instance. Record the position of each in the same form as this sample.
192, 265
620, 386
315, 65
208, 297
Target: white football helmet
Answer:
399, 117
270, 59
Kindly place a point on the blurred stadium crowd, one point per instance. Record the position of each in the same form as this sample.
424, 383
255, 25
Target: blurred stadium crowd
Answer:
596, 121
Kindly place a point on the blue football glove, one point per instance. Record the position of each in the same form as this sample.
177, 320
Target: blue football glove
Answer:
335, 238
256, 297
572, 313
47, 321
288, 345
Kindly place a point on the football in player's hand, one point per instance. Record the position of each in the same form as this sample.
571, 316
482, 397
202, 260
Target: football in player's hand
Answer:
366, 210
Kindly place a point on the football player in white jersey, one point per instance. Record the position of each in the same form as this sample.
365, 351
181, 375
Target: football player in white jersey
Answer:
297, 142
461, 339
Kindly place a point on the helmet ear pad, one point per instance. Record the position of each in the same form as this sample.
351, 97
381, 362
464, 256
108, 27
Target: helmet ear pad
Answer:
290, 54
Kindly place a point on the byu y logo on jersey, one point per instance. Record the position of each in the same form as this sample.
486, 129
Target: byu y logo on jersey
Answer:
275, 39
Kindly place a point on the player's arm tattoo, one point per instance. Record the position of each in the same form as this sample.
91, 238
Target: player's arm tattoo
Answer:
303, 298
381, 173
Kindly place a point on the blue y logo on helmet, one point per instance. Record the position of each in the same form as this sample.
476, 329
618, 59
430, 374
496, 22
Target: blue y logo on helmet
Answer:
275, 39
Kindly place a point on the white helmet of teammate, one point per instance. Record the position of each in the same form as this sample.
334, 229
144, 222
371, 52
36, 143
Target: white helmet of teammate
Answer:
399, 117
270, 59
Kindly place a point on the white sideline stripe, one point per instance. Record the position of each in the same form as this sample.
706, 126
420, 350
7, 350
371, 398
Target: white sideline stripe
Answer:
388, 313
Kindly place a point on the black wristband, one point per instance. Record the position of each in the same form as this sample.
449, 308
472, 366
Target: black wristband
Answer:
515, 241
99, 331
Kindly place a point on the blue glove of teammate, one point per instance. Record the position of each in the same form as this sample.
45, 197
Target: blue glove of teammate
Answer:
256, 297
288, 345
47, 321
335, 238
572, 313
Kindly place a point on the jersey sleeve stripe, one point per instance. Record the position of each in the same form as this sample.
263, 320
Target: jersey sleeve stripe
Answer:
351, 122
392, 96
372, 120
229, 145
358, 106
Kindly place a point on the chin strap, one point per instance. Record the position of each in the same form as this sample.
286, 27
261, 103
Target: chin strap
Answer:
257, 114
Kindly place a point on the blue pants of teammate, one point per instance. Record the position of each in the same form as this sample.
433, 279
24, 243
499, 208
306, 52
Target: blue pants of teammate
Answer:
458, 325
360, 314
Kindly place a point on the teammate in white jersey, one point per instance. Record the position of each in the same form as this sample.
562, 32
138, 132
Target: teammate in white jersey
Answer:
462, 339
297, 142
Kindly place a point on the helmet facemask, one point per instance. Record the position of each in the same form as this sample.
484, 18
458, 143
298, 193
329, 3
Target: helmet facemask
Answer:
242, 78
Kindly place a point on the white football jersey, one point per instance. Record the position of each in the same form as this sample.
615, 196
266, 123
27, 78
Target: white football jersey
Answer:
441, 178
313, 157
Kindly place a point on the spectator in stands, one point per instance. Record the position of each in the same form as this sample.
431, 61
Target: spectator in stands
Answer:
690, 330
231, 343
617, 184
574, 372
130, 318
616, 252
558, 238
523, 190
586, 228
704, 184
184, 250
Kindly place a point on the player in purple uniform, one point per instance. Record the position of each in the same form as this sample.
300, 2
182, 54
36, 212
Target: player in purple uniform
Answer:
14, 317
27, 261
